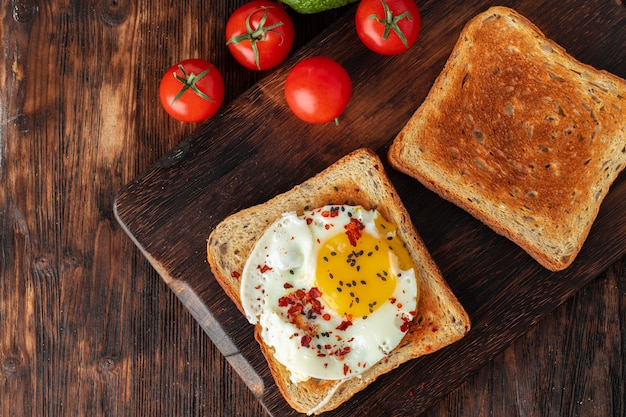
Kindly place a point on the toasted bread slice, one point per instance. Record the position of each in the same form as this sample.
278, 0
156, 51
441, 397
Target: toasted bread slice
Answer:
519, 134
356, 179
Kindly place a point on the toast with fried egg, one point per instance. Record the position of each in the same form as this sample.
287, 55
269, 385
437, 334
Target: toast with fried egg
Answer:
519, 134
356, 179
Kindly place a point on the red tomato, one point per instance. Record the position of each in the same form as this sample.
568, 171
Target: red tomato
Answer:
318, 89
260, 34
192, 90
388, 27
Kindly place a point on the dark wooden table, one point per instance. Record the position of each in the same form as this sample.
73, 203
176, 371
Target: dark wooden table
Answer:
87, 327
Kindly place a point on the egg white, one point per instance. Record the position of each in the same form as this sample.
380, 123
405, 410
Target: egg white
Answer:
284, 260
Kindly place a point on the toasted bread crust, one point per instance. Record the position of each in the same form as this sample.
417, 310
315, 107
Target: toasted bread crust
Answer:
519, 134
356, 179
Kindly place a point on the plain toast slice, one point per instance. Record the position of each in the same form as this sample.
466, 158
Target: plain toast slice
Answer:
356, 179
519, 134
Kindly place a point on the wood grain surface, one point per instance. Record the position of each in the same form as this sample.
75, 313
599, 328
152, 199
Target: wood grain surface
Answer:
89, 327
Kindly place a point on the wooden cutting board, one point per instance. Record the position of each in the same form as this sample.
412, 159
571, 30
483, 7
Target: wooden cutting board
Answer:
255, 148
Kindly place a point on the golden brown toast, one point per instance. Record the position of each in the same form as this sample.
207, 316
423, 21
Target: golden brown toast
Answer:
519, 134
356, 179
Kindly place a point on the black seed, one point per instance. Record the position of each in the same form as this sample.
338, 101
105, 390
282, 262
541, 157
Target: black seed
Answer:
352, 294
363, 282
333, 253
338, 289
358, 267
325, 259
357, 300
354, 283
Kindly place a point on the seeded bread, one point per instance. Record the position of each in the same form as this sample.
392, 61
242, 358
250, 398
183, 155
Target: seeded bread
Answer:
356, 179
519, 134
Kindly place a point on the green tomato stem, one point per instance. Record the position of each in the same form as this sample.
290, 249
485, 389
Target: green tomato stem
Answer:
391, 23
258, 34
189, 81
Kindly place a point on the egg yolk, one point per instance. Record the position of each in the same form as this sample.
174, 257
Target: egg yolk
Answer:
354, 272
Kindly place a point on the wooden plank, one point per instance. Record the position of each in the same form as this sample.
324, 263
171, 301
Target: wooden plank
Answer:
239, 159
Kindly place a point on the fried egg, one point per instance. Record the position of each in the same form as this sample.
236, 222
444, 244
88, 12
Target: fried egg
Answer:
334, 290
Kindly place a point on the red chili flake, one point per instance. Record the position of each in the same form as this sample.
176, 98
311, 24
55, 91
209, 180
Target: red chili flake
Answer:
411, 393
326, 316
325, 213
427, 348
404, 327
334, 211
423, 384
306, 340
317, 307
295, 310
264, 268
235, 274
341, 353
258, 287
287, 285
302, 302
399, 305
345, 323
309, 221
346, 368
314, 292
353, 230
392, 300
